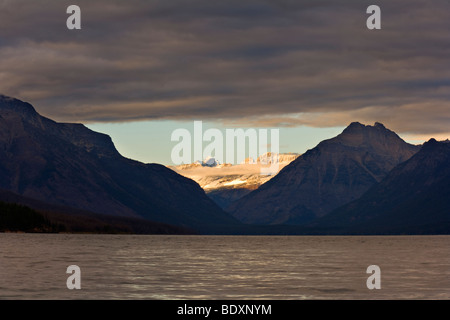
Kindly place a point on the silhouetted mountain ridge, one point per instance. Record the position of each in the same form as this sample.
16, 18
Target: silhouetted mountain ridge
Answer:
71, 165
413, 198
335, 172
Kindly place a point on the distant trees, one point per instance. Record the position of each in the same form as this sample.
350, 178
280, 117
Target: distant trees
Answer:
19, 218
14, 218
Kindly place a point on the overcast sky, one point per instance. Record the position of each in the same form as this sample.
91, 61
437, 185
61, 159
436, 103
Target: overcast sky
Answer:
280, 63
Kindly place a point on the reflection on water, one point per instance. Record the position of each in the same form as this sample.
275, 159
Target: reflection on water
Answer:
223, 267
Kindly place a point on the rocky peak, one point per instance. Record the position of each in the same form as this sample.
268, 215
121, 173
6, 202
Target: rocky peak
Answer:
23, 119
376, 136
9, 106
379, 125
356, 128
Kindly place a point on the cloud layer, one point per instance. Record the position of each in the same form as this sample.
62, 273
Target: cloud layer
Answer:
259, 63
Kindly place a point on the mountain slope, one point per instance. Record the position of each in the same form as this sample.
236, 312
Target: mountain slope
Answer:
66, 219
413, 198
70, 165
17, 218
337, 171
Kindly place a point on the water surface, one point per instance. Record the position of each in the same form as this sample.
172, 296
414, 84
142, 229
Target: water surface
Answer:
33, 266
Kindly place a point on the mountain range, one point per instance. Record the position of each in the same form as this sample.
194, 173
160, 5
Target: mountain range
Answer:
69, 165
335, 172
413, 198
366, 180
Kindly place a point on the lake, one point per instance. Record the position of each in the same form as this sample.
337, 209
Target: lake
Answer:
33, 266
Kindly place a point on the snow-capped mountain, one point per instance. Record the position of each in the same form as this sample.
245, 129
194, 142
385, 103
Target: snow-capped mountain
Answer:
270, 158
210, 162
225, 183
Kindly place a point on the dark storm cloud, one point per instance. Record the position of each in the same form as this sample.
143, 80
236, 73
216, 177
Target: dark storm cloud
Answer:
255, 62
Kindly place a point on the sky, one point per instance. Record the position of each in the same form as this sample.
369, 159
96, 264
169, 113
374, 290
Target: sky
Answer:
139, 69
